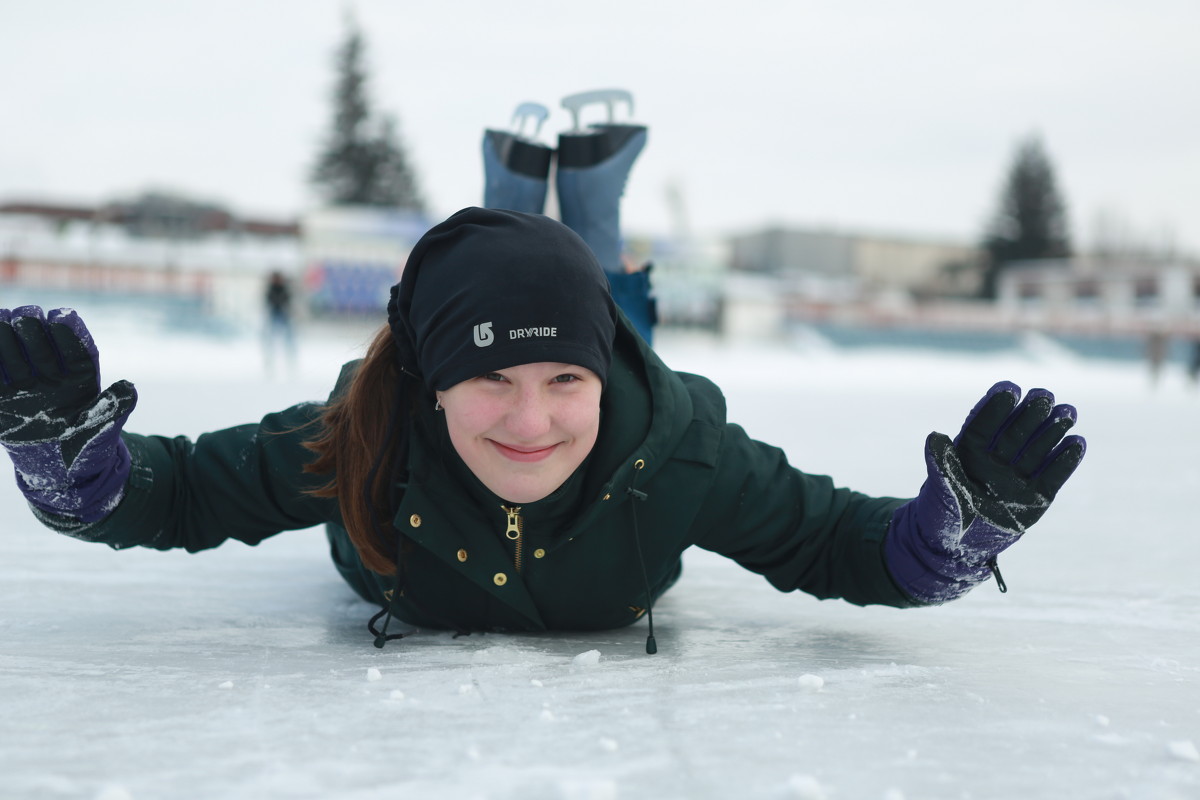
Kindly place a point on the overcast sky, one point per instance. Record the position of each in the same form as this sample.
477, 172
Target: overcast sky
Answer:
852, 114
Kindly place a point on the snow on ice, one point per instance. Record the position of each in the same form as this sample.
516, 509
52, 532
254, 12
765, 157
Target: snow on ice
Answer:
811, 683
1082, 682
1184, 751
806, 787
589, 659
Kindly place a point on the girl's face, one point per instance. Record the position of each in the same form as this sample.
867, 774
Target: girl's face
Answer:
523, 430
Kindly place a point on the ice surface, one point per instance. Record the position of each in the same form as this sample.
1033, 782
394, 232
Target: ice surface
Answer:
1081, 682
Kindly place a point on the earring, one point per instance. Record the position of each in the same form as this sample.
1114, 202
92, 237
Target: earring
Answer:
437, 406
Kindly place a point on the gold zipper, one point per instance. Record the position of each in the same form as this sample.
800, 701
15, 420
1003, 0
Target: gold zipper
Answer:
516, 525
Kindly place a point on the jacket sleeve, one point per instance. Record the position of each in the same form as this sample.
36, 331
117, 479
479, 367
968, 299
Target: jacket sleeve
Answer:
245, 483
797, 530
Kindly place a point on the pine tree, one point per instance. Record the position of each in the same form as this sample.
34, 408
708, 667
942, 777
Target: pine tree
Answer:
395, 184
1031, 221
363, 161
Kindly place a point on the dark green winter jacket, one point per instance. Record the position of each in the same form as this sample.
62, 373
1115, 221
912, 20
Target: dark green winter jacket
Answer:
667, 472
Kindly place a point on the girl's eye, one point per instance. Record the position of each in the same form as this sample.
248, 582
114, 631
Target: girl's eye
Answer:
492, 376
565, 378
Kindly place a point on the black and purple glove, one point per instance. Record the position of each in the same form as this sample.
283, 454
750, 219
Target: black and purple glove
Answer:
62, 433
983, 491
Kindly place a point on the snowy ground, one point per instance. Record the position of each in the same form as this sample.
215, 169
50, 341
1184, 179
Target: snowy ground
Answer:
248, 673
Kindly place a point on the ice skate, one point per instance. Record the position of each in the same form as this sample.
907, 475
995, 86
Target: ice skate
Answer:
516, 166
593, 166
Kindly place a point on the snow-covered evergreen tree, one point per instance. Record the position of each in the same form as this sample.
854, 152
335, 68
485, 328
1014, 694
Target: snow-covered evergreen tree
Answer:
1031, 221
363, 161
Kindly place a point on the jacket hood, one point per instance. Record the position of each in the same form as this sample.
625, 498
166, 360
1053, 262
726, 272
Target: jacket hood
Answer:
645, 413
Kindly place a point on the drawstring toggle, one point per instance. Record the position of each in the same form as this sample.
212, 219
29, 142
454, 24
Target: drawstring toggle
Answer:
637, 494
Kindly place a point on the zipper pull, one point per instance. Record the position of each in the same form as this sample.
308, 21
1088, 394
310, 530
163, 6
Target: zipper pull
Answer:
515, 526
515, 523
995, 568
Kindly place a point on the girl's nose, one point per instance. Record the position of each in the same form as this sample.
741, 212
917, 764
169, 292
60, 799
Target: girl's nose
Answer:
529, 418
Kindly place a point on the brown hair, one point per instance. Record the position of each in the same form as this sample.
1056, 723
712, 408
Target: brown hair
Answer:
355, 428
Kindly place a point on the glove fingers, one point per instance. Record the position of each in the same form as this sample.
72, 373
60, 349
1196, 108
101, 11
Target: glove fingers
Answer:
112, 406
114, 403
1060, 465
1031, 459
73, 341
987, 417
946, 473
13, 364
30, 325
1021, 425
126, 396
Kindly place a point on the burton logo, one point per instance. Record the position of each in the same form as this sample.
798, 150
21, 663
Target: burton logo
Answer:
532, 333
484, 335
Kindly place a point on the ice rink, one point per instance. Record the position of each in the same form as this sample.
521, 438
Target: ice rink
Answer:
248, 672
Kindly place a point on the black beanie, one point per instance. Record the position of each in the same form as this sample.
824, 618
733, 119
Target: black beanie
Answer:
490, 289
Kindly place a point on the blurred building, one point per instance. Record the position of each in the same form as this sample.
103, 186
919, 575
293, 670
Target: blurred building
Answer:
193, 257
353, 255
860, 263
780, 275
1102, 295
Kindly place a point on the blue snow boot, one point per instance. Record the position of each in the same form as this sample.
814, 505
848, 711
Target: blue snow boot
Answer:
593, 166
516, 168
631, 292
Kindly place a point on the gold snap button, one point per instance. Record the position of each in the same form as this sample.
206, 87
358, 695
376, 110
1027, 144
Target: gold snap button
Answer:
415, 520
606, 496
499, 579
462, 555
539, 553
639, 463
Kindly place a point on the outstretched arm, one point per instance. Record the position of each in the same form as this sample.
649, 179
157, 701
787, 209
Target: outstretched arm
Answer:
86, 478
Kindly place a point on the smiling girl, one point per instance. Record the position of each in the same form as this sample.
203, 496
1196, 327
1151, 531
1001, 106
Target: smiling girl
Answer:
473, 480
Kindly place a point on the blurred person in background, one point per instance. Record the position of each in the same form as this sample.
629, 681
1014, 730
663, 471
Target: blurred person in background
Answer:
1193, 367
279, 333
1157, 344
